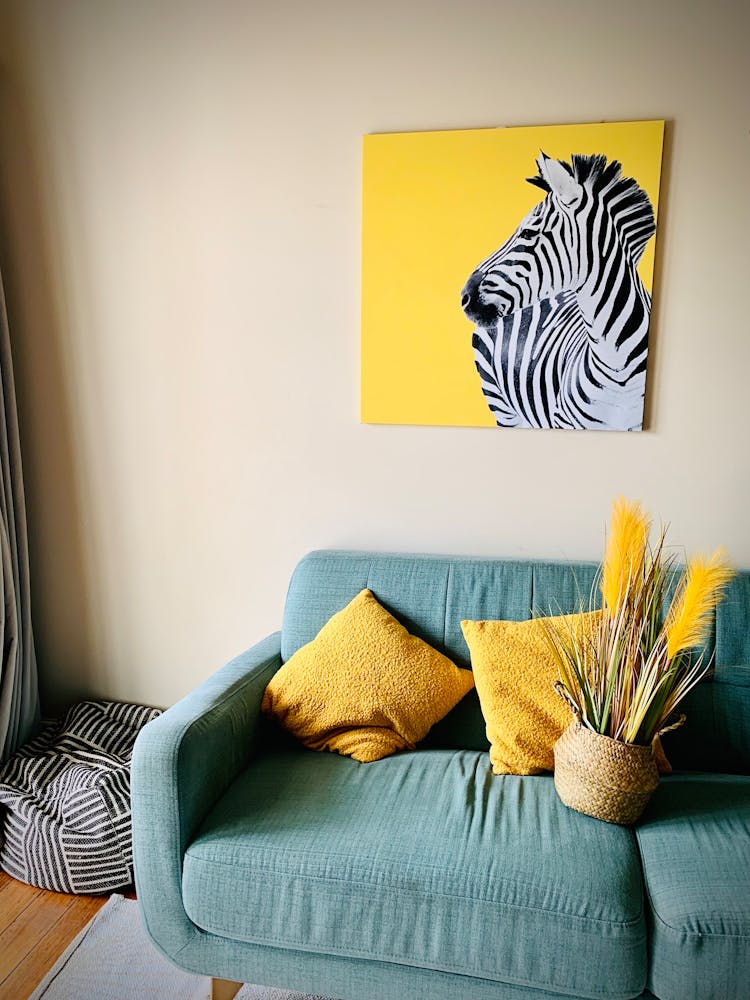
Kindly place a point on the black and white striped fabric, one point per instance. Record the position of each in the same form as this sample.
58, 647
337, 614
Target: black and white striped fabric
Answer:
66, 822
561, 313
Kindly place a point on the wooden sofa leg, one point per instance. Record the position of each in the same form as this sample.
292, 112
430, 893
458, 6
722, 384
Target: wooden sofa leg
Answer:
222, 989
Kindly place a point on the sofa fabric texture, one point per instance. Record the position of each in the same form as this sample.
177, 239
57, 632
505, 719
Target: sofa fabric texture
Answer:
694, 842
400, 861
423, 875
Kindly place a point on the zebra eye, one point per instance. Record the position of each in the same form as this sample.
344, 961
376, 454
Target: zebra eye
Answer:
527, 234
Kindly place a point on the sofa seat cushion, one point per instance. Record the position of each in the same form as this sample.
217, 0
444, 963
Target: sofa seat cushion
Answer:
694, 842
424, 859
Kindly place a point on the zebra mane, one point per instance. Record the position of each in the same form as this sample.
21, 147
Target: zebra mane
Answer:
631, 208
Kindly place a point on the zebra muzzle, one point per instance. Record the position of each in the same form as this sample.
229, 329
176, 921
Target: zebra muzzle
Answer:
476, 308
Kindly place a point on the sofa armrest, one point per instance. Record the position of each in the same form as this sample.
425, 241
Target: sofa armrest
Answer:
183, 762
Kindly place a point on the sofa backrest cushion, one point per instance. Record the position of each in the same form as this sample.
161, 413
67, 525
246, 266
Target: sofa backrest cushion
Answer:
717, 733
431, 595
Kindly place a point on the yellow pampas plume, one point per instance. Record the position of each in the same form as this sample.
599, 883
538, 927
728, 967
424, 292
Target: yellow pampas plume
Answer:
689, 617
627, 682
626, 550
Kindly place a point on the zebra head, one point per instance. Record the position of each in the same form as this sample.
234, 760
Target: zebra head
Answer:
590, 213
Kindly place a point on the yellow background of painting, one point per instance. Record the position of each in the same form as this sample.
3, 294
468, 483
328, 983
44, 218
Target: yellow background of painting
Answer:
435, 204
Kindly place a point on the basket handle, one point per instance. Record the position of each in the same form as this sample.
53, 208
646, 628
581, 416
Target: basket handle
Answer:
563, 693
674, 725
662, 761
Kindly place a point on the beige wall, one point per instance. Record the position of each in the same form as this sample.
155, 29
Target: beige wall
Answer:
181, 193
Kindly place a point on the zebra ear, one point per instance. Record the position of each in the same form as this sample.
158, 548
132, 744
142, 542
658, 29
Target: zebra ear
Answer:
539, 182
561, 181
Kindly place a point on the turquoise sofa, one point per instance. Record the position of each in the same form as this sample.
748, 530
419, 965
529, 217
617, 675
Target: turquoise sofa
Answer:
423, 876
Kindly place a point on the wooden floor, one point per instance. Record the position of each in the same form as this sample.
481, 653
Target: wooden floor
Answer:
35, 928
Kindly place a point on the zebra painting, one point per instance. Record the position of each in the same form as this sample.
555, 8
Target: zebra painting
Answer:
561, 314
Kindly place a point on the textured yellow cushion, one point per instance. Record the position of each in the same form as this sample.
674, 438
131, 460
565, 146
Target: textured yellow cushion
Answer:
514, 670
364, 687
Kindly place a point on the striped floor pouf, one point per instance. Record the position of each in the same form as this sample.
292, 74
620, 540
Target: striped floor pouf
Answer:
66, 821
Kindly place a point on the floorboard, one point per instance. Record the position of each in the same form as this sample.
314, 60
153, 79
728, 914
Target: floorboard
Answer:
36, 927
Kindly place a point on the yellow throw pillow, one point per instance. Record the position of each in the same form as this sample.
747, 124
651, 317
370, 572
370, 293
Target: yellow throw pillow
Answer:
514, 671
364, 687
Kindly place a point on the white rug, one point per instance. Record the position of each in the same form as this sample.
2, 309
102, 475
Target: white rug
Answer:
113, 959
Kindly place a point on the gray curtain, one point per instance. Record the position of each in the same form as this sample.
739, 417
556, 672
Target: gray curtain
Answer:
19, 694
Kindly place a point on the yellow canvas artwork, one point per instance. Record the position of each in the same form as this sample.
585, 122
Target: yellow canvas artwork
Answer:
507, 275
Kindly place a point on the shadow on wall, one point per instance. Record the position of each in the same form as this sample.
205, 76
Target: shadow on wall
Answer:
659, 258
60, 606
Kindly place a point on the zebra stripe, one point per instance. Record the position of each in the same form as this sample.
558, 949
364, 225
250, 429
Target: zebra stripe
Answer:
529, 366
561, 314
66, 824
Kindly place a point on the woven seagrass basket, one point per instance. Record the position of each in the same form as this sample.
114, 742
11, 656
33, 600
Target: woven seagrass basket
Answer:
602, 777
